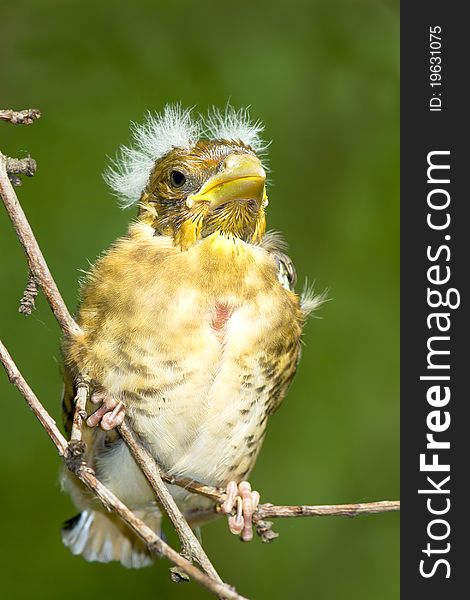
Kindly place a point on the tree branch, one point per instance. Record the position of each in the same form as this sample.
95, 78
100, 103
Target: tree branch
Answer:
263, 511
153, 542
140, 454
83, 391
72, 452
269, 511
20, 117
37, 265
191, 547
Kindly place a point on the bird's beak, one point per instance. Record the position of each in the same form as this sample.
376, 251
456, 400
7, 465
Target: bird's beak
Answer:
241, 177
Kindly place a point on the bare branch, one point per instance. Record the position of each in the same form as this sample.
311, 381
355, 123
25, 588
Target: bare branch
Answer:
38, 266
218, 495
264, 511
20, 117
41, 413
36, 262
73, 451
79, 416
191, 548
153, 542
269, 511
215, 494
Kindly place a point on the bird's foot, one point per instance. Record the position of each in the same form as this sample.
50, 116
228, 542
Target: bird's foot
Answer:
245, 501
109, 415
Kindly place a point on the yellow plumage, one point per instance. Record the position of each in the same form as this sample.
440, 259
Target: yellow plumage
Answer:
191, 322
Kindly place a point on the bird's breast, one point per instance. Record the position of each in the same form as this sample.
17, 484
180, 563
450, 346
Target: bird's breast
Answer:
204, 403
197, 352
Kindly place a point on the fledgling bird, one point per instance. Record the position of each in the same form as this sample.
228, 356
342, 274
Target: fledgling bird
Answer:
190, 326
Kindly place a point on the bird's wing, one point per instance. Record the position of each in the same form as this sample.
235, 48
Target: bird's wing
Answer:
286, 363
286, 271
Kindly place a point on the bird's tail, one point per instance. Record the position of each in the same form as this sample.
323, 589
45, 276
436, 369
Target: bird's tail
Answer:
103, 538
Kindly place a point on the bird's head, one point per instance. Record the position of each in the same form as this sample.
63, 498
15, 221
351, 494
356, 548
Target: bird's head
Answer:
210, 180
218, 185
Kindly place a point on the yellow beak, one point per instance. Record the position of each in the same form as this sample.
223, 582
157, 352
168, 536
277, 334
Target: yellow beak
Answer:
242, 178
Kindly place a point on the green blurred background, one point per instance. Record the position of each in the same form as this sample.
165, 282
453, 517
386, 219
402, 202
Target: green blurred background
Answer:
324, 76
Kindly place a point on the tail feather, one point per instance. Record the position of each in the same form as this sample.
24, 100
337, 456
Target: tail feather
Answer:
102, 538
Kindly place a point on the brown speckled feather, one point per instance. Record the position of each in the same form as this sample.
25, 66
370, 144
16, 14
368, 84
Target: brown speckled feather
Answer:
192, 322
176, 374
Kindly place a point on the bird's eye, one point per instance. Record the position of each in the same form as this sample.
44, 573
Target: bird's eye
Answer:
177, 179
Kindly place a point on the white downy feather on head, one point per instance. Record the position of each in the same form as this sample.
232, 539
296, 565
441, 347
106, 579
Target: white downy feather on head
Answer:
233, 124
174, 127
128, 174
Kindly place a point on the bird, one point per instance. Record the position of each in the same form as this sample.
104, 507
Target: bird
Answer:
189, 327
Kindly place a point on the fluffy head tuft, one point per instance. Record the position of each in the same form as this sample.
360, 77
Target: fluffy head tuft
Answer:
129, 172
174, 127
233, 124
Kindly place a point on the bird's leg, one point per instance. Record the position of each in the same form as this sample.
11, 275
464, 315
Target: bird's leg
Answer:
246, 502
110, 414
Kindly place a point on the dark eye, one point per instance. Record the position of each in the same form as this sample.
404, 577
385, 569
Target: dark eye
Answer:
177, 179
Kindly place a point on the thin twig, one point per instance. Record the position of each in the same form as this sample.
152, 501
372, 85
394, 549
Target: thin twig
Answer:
41, 413
264, 511
27, 302
215, 494
153, 542
36, 262
20, 117
79, 415
191, 548
269, 511
73, 451
42, 274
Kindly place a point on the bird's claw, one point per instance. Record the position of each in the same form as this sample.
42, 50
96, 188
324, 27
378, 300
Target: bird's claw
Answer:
245, 501
109, 415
